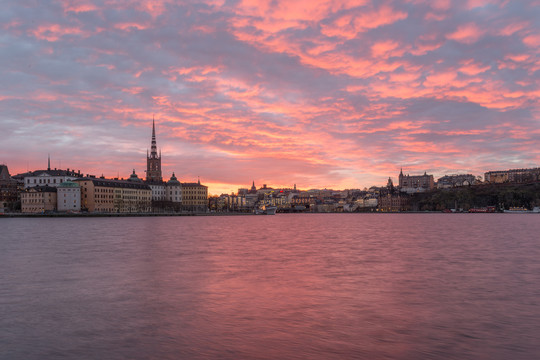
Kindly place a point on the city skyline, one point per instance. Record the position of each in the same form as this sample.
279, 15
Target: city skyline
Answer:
322, 94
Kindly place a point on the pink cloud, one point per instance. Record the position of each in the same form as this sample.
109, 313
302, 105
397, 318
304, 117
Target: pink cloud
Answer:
468, 33
130, 25
386, 49
349, 25
54, 32
512, 28
469, 67
438, 79
532, 41
78, 6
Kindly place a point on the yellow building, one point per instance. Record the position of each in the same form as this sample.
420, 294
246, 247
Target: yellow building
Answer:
38, 199
513, 176
120, 196
194, 196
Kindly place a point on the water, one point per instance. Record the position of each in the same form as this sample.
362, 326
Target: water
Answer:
328, 286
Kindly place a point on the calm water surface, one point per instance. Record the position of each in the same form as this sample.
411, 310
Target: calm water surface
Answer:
310, 286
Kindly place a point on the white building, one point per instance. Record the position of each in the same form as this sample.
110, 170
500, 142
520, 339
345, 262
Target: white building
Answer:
173, 190
68, 196
158, 191
49, 177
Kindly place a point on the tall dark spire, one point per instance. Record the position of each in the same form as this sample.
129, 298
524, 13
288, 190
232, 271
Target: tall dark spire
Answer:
153, 153
153, 160
49, 162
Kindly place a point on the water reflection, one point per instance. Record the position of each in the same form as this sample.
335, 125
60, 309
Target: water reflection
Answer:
295, 287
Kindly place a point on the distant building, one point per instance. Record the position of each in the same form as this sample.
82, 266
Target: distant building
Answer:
9, 190
68, 196
158, 191
153, 161
123, 196
4, 174
165, 195
265, 190
415, 183
450, 181
226, 202
49, 177
39, 199
396, 202
512, 176
366, 202
253, 189
194, 196
174, 190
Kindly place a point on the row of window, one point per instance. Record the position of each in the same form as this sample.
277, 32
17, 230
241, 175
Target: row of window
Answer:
33, 195
35, 201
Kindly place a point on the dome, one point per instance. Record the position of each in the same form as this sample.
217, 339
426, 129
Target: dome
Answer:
68, 184
173, 181
133, 177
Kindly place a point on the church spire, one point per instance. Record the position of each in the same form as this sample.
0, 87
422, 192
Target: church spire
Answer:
49, 162
153, 160
153, 152
153, 128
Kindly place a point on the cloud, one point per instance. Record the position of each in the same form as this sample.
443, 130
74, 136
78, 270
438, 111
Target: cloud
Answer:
467, 33
322, 94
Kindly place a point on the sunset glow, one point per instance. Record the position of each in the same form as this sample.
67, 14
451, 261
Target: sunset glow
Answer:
322, 94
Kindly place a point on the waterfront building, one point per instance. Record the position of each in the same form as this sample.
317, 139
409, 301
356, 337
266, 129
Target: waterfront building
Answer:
174, 190
154, 177
393, 202
49, 177
9, 191
39, 199
415, 183
69, 196
194, 196
158, 191
231, 202
366, 202
512, 176
122, 196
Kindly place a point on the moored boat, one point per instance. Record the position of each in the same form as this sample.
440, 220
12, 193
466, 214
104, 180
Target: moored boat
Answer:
522, 210
266, 210
488, 209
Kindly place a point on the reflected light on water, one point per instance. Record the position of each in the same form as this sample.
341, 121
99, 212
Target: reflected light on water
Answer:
333, 286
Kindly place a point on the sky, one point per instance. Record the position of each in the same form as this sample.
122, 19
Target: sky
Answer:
322, 94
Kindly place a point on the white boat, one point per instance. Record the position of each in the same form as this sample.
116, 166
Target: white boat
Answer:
266, 210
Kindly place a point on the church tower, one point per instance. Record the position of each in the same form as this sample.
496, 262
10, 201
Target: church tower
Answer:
153, 160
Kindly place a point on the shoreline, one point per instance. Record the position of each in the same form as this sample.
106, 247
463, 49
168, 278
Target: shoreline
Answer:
93, 215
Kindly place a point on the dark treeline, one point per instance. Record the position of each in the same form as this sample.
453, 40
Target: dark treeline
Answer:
502, 196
